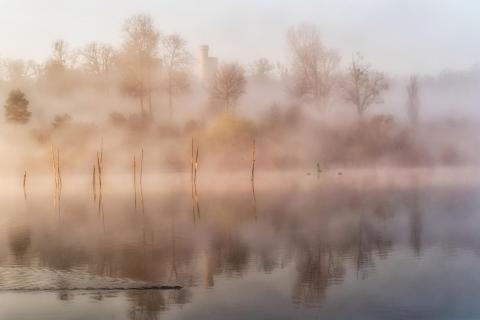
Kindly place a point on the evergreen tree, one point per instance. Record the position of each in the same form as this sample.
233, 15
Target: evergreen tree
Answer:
16, 107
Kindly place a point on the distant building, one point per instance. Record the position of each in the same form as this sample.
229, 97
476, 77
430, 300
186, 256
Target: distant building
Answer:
207, 66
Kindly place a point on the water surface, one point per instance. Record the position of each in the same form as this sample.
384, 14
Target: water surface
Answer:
356, 245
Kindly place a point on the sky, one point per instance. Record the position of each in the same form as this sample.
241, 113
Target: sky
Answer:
396, 36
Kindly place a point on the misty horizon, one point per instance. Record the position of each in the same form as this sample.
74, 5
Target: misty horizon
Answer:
403, 37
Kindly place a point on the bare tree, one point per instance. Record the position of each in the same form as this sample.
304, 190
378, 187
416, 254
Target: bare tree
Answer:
98, 58
57, 63
60, 52
363, 86
229, 84
261, 69
313, 65
140, 49
413, 103
175, 59
59, 71
16, 70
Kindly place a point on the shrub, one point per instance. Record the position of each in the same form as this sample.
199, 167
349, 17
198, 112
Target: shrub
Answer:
16, 107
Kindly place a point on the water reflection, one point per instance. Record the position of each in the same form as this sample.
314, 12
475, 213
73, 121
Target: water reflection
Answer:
413, 204
20, 242
324, 233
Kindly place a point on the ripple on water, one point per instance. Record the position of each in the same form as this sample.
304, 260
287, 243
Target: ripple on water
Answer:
23, 278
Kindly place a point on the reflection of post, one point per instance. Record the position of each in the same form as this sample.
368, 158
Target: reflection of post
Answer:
415, 220
54, 171
94, 183
208, 276
254, 201
135, 180
141, 169
102, 213
195, 204
193, 180
191, 165
59, 176
152, 247
144, 221
101, 151
99, 165
141, 200
25, 184
100, 200
252, 178
100, 210
57, 179
97, 170
360, 251
141, 185
196, 166
173, 249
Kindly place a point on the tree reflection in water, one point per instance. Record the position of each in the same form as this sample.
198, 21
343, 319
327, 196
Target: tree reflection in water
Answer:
323, 231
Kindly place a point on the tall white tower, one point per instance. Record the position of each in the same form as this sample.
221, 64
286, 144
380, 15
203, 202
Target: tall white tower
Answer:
207, 66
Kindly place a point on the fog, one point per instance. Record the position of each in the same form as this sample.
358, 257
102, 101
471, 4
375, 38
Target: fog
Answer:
318, 109
240, 160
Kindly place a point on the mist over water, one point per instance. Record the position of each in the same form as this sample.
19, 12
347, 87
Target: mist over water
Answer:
358, 243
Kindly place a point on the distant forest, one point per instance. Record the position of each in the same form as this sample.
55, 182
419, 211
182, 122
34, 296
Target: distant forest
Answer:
318, 109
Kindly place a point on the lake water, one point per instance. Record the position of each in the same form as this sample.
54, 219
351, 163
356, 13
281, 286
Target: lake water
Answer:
355, 245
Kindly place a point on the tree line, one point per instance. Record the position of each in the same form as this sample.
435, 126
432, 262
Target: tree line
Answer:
148, 61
